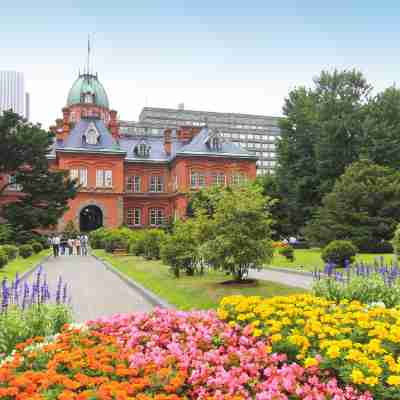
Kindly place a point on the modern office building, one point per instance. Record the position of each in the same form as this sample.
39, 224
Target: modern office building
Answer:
12, 92
256, 133
27, 106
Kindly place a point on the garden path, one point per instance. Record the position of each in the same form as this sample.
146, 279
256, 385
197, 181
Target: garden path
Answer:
287, 278
95, 291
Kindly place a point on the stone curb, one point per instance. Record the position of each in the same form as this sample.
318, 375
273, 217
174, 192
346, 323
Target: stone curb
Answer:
147, 294
289, 271
31, 270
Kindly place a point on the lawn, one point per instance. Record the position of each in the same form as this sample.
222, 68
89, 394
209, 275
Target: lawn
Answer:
21, 265
199, 292
309, 259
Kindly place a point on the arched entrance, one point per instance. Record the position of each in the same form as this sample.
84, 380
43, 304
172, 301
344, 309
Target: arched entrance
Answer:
90, 218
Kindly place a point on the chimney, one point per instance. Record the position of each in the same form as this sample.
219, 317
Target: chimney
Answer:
113, 124
63, 127
168, 141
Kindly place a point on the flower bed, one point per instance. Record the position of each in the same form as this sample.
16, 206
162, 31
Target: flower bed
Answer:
360, 344
164, 355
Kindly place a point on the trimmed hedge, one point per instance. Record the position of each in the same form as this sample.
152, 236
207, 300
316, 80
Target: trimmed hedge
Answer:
3, 258
25, 250
339, 252
37, 247
11, 251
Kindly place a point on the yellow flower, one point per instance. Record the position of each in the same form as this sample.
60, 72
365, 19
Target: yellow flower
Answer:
357, 376
393, 380
333, 352
276, 338
310, 362
371, 380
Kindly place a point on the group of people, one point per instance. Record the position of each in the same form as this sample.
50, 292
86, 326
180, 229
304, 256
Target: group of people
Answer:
73, 246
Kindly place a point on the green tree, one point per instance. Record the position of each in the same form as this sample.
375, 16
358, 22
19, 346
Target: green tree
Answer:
363, 207
239, 232
321, 135
23, 152
278, 206
179, 250
70, 230
382, 129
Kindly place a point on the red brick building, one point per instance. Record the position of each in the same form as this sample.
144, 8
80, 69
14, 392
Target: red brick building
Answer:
137, 181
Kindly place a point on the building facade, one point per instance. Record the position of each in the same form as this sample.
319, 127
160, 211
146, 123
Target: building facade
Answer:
137, 180
12, 92
255, 133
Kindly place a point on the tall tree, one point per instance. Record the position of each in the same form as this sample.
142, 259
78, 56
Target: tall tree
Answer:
321, 135
363, 207
23, 152
382, 129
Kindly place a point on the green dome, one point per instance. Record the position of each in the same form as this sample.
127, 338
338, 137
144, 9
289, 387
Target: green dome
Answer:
87, 83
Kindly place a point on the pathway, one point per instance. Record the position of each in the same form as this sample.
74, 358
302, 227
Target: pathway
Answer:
287, 278
95, 291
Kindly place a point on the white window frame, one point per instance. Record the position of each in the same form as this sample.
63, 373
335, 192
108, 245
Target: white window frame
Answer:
133, 184
134, 216
197, 180
156, 183
156, 216
12, 183
104, 178
218, 178
237, 179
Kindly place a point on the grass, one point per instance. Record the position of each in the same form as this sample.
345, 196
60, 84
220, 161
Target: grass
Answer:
309, 259
21, 265
199, 292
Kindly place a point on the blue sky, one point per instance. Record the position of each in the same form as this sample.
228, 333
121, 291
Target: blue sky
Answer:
229, 56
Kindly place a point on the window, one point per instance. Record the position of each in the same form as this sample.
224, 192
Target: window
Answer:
142, 150
197, 180
12, 183
134, 216
80, 175
218, 178
156, 183
156, 216
103, 178
92, 137
133, 184
237, 179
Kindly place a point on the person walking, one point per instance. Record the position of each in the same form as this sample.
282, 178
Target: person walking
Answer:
84, 244
78, 246
56, 246
71, 246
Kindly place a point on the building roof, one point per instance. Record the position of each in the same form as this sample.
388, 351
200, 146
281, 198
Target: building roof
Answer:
77, 141
199, 146
87, 83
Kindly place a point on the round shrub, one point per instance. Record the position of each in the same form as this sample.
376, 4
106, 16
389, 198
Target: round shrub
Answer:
287, 252
25, 250
11, 251
3, 258
135, 245
339, 252
37, 247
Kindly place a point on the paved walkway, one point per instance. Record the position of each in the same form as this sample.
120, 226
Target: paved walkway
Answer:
287, 278
95, 291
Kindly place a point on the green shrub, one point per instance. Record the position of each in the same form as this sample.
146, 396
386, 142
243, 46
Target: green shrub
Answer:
37, 247
117, 239
135, 244
25, 250
366, 289
17, 325
11, 251
97, 238
396, 240
287, 252
3, 258
6, 234
339, 252
151, 242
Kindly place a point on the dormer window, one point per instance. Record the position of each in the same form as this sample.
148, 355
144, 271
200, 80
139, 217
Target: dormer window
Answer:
91, 136
88, 98
142, 150
216, 143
